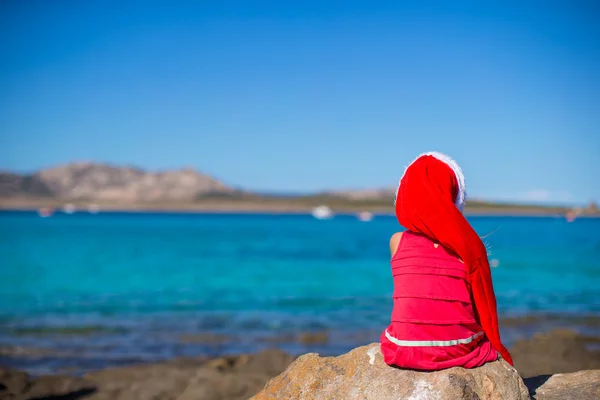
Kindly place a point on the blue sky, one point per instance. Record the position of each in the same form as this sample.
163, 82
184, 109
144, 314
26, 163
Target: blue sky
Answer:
302, 96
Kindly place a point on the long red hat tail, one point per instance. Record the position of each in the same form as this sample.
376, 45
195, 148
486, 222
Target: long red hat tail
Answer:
428, 200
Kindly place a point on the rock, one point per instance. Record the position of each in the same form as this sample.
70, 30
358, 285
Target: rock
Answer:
314, 338
362, 374
212, 385
187, 362
306, 338
223, 378
19, 385
12, 381
583, 385
139, 382
558, 351
267, 362
358, 374
59, 386
228, 363
236, 377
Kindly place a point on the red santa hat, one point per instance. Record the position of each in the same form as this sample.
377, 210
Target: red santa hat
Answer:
460, 178
429, 200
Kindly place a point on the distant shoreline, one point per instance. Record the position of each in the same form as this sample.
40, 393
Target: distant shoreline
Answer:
272, 206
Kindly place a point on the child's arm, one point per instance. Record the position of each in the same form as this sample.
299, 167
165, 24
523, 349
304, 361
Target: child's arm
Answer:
395, 242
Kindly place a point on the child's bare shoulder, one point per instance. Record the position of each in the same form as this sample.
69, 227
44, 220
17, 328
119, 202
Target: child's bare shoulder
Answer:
394, 242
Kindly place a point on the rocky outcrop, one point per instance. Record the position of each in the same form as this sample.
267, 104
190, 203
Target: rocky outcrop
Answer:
225, 378
557, 351
359, 374
103, 182
583, 385
362, 374
18, 385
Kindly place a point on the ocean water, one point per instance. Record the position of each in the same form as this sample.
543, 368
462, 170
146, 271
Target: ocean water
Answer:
83, 291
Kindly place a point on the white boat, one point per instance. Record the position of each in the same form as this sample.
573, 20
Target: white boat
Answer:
322, 212
69, 208
365, 216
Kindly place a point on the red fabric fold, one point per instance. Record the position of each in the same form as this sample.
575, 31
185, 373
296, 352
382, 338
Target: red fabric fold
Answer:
485, 308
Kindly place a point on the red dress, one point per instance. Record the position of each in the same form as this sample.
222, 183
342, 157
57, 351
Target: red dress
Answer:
433, 324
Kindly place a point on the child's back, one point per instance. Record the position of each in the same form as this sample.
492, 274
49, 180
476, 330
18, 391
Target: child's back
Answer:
433, 324
444, 303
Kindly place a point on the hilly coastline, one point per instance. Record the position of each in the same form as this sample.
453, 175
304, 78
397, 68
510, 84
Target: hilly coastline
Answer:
102, 182
113, 187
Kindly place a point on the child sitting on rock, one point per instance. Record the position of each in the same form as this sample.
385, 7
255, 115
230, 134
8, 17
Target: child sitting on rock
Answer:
444, 311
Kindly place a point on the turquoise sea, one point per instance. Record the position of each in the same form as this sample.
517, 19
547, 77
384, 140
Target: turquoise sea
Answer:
83, 291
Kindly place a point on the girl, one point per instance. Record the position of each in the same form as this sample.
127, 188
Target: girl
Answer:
444, 311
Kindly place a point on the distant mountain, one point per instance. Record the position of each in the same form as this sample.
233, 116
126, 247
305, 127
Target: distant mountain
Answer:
28, 185
92, 181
